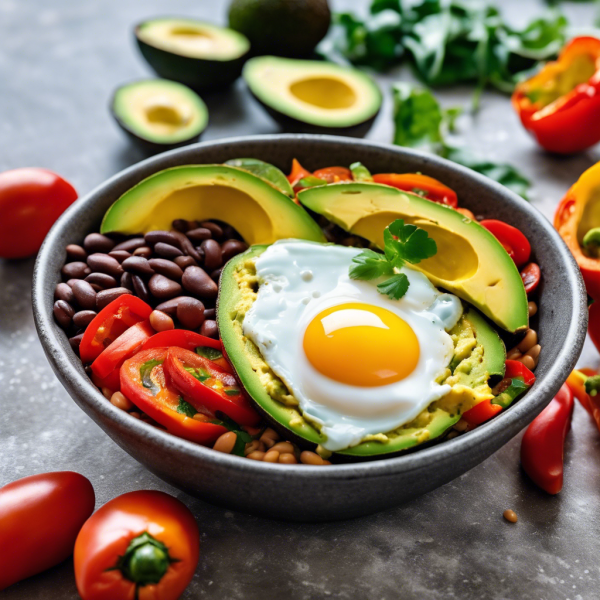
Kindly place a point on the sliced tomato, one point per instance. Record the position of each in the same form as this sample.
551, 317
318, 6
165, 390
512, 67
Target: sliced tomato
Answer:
514, 242
531, 275
207, 385
110, 323
143, 382
514, 368
334, 174
124, 347
422, 185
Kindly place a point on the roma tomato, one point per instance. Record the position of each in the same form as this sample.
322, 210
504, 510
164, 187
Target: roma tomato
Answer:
40, 517
422, 185
30, 201
514, 242
143, 545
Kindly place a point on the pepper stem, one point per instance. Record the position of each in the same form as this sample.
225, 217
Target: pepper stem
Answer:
591, 241
592, 385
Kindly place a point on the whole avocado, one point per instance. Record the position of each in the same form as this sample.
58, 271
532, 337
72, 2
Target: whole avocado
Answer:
289, 28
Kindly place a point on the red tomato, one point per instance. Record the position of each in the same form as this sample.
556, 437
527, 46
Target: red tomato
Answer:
143, 382
40, 517
30, 201
113, 320
206, 386
531, 275
514, 242
143, 545
422, 185
334, 174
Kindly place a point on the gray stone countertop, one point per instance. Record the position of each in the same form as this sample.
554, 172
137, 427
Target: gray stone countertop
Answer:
59, 63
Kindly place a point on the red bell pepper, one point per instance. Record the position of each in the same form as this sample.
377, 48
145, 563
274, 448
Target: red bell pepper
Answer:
422, 185
542, 447
585, 384
112, 381
513, 241
560, 105
334, 174
143, 382
594, 324
206, 386
577, 221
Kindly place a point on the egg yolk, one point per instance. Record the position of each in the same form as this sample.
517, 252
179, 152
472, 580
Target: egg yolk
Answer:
361, 345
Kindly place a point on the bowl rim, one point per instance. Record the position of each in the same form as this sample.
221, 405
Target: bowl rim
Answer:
74, 378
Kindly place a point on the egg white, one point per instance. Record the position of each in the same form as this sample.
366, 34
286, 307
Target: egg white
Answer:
300, 279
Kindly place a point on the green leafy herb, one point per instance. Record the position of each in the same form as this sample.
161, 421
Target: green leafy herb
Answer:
145, 371
402, 243
210, 353
185, 408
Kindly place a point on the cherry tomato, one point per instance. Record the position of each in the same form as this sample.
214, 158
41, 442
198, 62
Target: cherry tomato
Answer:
143, 545
422, 185
143, 382
40, 517
334, 174
206, 386
514, 242
531, 275
30, 201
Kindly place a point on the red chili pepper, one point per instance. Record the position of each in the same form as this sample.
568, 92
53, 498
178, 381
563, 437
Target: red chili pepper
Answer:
585, 385
422, 185
559, 105
531, 275
334, 174
514, 242
594, 324
542, 447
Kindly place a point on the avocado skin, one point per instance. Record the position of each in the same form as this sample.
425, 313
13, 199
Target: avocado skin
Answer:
290, 28
198, 73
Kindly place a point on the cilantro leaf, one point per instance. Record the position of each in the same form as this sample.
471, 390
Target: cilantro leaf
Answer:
394, 287
185, 408
370, 265
412, 244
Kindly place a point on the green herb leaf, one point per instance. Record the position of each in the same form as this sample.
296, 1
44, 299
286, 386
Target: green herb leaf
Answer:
395, 286
370, 265
210, 353
185, 408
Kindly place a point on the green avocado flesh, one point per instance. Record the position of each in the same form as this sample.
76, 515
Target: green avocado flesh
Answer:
160, 111
259, 212
467, 370
470, 262
318, 93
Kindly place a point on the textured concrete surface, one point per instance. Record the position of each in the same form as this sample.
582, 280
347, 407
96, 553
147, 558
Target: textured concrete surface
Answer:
59, 63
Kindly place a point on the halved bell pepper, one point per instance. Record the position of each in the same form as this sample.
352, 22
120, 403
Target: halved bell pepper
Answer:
577, 220
560, 105
585, 385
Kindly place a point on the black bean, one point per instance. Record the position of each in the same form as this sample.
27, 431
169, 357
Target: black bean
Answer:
209, 329
138, 265
70, 282
63, 313
75, 252
166, 267
167, 250
163, 288
84, 294
214, 228
230, 232
95, 287
75, 341
131, 244
120, 255
96, 242
83, 318
212, 254
104, 280
190, 312
143, 251
105, 297
75, 270
210, 313
140, 288
184, 262
127, 281
180, 225
196, 281
63, 292
165, 237
188, 247
231, 248
199, 235
105, 264
170, 306
216, 274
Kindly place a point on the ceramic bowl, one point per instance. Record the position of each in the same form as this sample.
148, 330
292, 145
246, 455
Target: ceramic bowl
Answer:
301, 492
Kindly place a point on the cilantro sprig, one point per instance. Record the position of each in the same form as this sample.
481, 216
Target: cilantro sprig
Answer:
403, 243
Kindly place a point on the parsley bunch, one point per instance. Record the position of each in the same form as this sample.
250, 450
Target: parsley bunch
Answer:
402, 244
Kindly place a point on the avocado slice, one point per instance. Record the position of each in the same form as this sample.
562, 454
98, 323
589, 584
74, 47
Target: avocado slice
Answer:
314, 96
470, 261
270, 173
258, 211
159, 114
198, 54
482, 355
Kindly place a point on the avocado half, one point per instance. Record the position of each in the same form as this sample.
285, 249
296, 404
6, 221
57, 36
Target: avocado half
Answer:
198, 54
257, 210
241, 352
470, 261
312, 96
159, 114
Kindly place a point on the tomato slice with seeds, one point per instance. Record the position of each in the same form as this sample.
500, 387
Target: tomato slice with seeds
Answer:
207, 385
514, 242
531, 276
421, 185
143, 382
113, 320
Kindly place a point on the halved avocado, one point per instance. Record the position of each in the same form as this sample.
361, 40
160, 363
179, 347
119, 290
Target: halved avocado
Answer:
196, 53
258, 211
470, 262
314, 96
248, 364
159, 114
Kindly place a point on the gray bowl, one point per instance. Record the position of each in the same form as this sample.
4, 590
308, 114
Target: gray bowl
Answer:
306, 493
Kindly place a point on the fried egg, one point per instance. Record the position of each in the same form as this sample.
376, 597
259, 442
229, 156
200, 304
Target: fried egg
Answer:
357, 362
